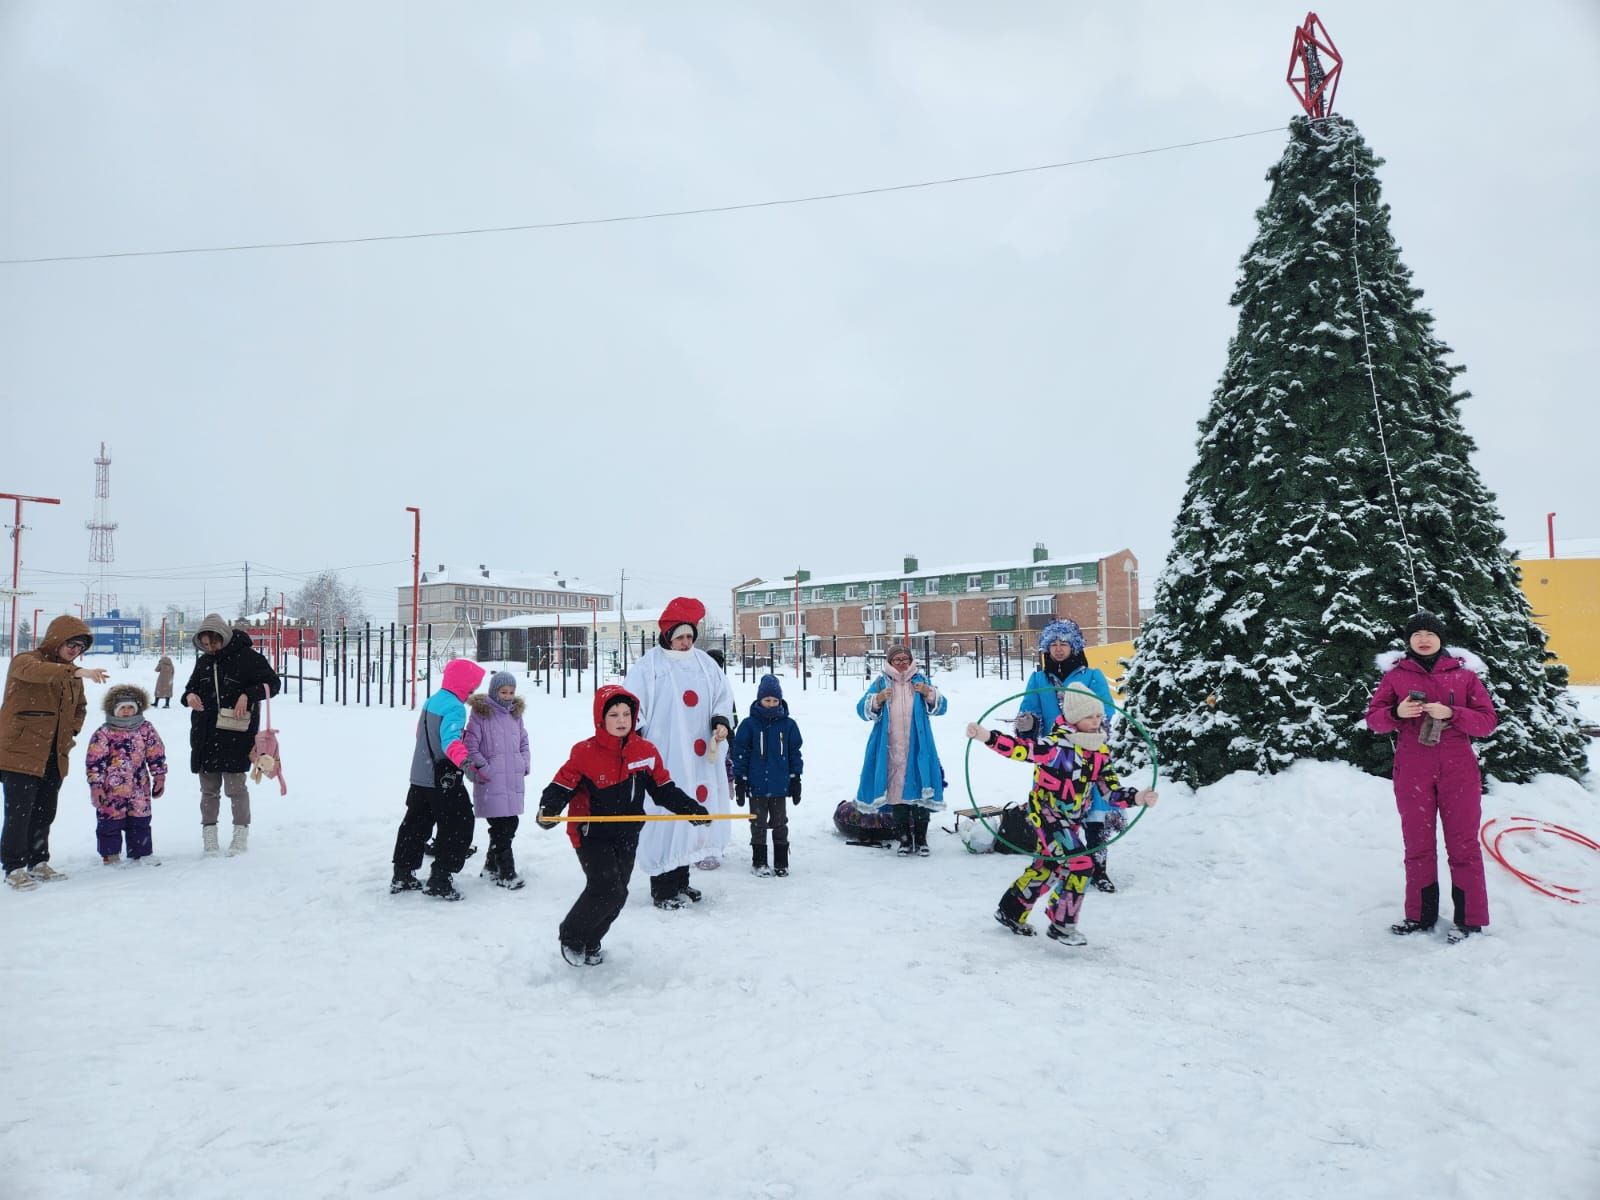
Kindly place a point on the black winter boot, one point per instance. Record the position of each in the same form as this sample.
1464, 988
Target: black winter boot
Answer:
404, 881
491, 864
440, 886
1408, 926
780, 859
758, 860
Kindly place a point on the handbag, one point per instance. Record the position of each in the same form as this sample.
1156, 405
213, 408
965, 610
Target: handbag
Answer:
226, 718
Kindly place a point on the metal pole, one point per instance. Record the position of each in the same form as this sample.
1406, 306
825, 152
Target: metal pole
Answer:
802, 660
322, 673
16, 560
391, 665
836, 662
416, 597
430, 658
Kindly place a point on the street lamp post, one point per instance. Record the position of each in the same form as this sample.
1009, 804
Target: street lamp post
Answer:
16, 556
416, 569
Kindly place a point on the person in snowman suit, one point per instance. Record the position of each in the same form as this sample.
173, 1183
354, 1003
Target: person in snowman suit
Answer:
686, 710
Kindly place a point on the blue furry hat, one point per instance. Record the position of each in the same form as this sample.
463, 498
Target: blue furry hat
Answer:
1061, 631
769, 686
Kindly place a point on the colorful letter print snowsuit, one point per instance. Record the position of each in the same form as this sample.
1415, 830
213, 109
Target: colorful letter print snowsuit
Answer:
1064, 778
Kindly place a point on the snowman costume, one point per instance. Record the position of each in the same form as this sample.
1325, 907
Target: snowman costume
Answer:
681, 694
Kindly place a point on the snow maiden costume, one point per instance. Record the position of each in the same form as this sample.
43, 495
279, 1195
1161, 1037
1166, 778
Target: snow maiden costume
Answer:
1439, 782
901, 768
683, 695
1045, 688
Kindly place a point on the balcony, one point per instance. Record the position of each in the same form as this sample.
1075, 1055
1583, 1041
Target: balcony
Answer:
1003, 624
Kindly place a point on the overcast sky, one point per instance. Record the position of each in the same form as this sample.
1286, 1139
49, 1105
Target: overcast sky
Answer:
705, 399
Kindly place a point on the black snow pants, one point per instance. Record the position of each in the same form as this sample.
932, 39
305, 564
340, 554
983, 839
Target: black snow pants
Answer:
450, 809
606, 866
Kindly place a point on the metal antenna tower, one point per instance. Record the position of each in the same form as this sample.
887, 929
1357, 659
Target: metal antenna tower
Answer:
101, 550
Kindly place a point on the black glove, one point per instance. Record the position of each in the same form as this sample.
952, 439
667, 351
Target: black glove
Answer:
701, 808
794, 788
545, 822
741, 791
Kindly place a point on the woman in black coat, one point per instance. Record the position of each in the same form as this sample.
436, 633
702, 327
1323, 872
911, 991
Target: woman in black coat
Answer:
230, 677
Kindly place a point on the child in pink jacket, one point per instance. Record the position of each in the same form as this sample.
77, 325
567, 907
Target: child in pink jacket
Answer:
126, 768
1436, 705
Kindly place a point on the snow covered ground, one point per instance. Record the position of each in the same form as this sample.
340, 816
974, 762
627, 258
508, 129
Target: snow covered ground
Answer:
1241, 1023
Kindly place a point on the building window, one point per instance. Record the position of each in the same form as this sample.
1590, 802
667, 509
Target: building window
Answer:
461, 593
461, 611
503, 599
816, 594
875, 590
1041, 578
767, 623
851, 591
1003, 608
974, 583
1039, 606
472, 614
1074, 574
472, 593
771, 597
1002, 579
930, 587
898, 614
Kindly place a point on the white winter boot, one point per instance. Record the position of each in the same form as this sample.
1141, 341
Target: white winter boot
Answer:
208, 837
241, 840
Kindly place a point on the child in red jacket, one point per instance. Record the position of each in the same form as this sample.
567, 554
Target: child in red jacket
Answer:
1435, 705
608, 775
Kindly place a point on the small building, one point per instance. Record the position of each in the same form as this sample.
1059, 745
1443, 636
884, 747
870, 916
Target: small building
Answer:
115, 633
554, 640
1563, 590
947, 606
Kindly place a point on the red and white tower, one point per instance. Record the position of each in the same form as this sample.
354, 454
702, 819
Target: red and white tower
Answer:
101, 550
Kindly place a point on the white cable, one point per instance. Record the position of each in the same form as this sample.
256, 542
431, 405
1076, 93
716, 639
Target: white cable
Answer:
1372, 379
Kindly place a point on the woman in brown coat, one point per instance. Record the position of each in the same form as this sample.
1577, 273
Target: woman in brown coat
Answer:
40, 718
164, 673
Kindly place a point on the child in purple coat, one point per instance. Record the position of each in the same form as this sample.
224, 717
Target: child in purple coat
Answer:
126, 768
1435, 706
497, 763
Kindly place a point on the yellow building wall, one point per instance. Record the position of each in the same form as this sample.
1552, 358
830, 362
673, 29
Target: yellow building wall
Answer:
1104, 659
1565, 595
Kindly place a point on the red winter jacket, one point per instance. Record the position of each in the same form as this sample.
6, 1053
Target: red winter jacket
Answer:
607, 776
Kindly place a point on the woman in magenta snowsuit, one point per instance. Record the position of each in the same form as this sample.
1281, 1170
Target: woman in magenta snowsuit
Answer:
1440, 781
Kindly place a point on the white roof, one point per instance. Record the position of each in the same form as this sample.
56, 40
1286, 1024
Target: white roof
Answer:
494, 577
575, 616
1565, 548
1055, 560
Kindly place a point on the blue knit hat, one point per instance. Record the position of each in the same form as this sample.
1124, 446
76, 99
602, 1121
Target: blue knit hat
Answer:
769, 686
499, 679
1061, 631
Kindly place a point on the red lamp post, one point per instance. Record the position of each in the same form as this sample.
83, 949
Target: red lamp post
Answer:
416, 596
16, 558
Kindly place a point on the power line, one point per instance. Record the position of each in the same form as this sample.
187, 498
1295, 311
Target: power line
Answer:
665, 214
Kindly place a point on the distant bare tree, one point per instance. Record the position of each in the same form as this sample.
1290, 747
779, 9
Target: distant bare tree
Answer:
327, 601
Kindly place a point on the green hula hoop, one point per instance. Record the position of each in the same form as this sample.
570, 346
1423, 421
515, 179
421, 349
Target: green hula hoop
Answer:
1155, 776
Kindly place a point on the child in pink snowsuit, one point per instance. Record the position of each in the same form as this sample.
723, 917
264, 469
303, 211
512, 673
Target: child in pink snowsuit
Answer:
126, 767
1438, 782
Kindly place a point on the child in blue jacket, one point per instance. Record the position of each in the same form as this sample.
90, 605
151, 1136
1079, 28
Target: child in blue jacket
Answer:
766, 772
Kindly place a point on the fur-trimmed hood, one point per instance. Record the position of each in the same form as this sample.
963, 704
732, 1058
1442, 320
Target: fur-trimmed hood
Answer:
480, 703
122, 692
1390, 659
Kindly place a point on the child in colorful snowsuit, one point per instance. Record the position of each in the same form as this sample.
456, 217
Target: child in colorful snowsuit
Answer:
1062, 665
437, 796
1437, 784
497, 763
1068, 763
608, 775
766, 772
126, 768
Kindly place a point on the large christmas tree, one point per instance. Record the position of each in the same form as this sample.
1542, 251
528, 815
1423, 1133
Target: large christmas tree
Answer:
1294, 554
